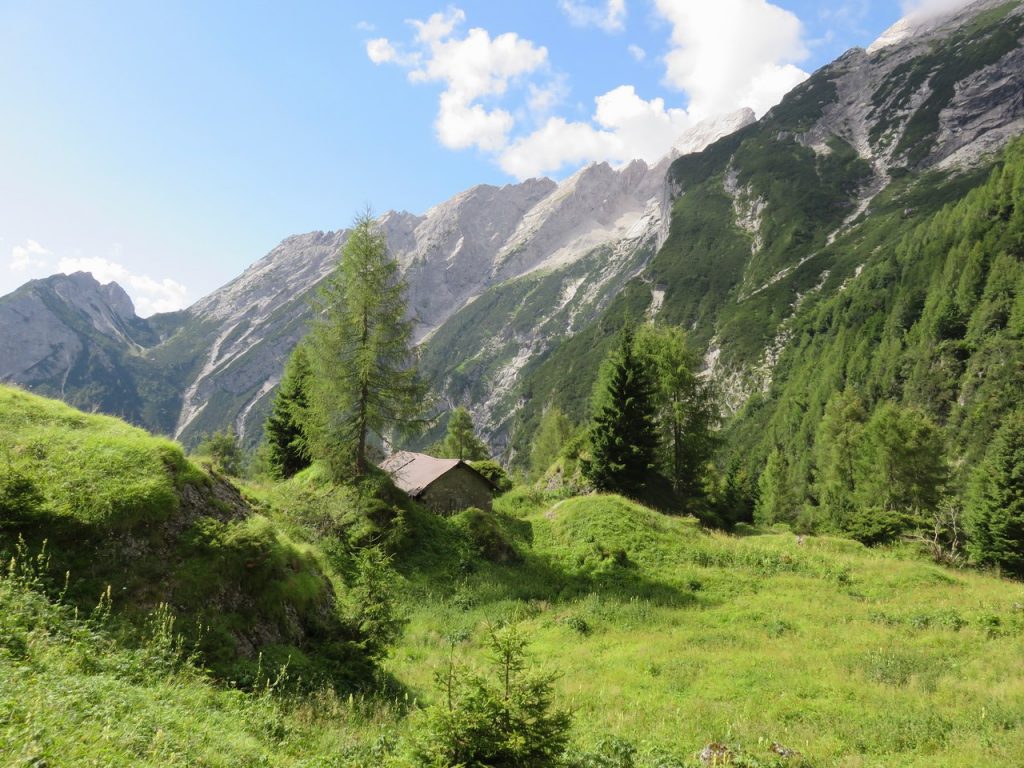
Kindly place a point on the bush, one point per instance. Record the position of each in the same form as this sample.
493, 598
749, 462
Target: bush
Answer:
506, 720
494, 472
488, 536
224, 452
876, 525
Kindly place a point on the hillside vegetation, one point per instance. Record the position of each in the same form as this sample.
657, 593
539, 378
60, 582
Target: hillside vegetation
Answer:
665, 638
136, 525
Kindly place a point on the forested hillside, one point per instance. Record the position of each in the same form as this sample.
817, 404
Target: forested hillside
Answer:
933, 322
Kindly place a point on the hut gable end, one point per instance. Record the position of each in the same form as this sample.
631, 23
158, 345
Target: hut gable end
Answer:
444, 485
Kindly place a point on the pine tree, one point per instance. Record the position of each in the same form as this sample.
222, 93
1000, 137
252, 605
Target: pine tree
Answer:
363, 374
287, 447
995, 508
460, 441
624, 436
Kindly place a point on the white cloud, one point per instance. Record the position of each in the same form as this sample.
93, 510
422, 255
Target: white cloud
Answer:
721, 56
920, 10
624, 127
472, 68
380, 50
610, 17
544, 98
28, 257
732, 53
366, 26
149, 295
556, 144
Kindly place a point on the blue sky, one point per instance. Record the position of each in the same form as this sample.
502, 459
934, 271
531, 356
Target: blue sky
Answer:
170, 145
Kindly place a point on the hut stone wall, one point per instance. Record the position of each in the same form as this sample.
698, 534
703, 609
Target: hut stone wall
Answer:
457, 489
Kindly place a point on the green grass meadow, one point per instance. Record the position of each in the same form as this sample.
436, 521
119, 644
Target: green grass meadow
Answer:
665, 637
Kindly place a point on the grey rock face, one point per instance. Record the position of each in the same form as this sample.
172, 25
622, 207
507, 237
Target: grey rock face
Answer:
450, 255
67, 333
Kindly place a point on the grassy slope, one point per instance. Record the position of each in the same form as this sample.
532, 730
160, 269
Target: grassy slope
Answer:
664, 634
69, 696
855, 657
119, 508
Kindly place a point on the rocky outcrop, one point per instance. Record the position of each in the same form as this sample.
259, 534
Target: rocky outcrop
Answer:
68, 333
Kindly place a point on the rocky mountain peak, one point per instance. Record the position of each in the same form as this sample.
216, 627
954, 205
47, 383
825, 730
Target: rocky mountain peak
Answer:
710, 130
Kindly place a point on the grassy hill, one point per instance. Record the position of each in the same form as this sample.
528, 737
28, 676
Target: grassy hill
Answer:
666, 637
135, 524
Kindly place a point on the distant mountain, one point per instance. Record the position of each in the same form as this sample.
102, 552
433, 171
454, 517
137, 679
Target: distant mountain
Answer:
519, 290
226, 352
69, 337
763, 222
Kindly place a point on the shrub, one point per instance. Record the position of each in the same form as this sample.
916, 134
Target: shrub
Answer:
486, 534
494, 472
505, 720
224, 452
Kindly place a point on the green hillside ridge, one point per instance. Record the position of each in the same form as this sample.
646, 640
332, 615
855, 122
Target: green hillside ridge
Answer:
666, 637
916, 303
126, 514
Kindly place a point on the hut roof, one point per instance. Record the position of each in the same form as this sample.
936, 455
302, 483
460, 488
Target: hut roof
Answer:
414, 472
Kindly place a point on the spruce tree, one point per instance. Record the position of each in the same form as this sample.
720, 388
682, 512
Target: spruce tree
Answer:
624, 434
287, 447
686, 407
995, 508
460, 441
363, 375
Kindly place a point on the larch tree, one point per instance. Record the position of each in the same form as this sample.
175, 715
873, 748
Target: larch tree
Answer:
995, 506
363, 379
552, 433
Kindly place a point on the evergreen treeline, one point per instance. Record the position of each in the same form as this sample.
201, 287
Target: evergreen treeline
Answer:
883, 410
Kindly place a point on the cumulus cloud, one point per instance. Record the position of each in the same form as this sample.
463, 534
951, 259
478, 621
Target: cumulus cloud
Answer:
721, 56
920, 10
149, 295
473, 68
610, 16
638, 53
28, 257
732, 53
624, 127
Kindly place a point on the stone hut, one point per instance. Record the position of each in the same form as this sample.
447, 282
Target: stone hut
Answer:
444, 485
